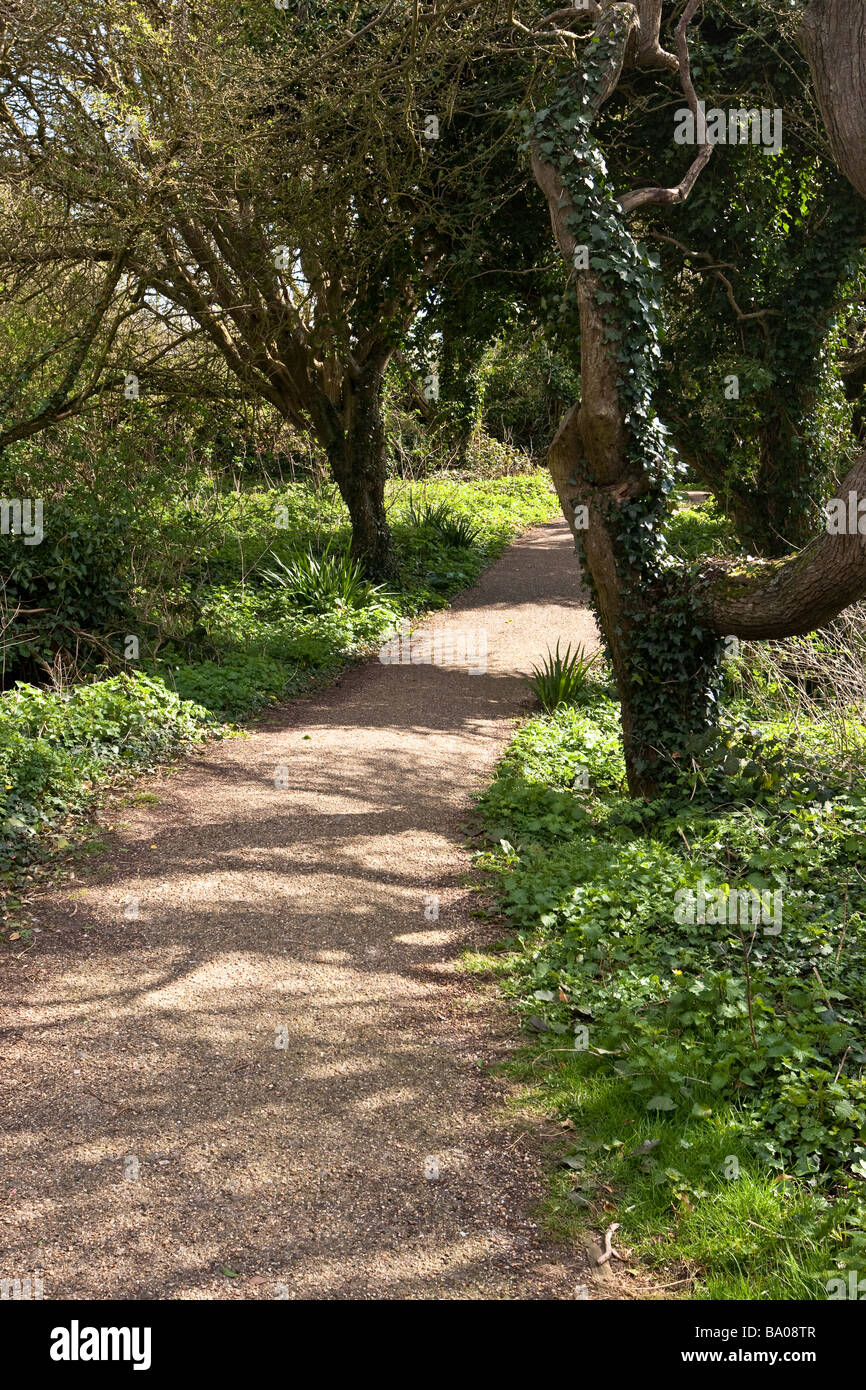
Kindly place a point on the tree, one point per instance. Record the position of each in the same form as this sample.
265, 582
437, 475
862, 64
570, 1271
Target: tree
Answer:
610, 461
65, 324
294, 182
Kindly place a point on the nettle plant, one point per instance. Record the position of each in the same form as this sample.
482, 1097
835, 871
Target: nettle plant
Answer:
664, 623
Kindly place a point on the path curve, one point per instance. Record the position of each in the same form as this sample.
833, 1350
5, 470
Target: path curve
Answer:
156, 1136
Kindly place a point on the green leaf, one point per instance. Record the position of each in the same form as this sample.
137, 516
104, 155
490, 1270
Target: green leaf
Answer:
661, 1103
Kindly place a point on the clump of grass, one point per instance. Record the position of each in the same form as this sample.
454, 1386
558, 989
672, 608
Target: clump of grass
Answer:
324, 582
561, 679
443, 524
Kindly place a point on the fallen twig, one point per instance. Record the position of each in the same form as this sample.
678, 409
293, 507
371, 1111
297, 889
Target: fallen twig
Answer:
608, 1247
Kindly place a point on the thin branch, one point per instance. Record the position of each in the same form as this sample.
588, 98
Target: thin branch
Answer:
643, 197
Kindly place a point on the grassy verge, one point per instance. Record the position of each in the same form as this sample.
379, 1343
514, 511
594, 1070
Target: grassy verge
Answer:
708, 1067
713, 1071
263, 643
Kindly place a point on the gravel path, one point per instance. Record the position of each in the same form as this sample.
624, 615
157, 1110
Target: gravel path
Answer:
158, 1139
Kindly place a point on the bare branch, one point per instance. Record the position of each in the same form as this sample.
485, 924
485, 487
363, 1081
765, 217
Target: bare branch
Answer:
643, 197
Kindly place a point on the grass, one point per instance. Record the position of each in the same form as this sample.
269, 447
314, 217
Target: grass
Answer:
695, 532
712, 1073
258, 639
702, 1234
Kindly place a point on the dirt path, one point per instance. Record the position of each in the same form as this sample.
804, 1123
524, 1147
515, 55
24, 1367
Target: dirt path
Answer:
154, 1133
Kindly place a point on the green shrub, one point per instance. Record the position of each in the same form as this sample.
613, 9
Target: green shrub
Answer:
237, 686
321, 583
54, 747
61, 594
692, 533
527, 385
443, 524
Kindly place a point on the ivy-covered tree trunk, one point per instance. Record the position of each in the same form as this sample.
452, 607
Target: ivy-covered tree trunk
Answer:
357, 453
614, 473
610, 461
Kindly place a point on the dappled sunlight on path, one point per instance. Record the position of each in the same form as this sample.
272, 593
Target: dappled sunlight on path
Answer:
246, 1072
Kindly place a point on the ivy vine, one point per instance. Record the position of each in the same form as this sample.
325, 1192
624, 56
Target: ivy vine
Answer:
673, 659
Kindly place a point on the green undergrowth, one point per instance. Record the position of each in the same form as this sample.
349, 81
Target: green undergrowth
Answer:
57, 749
252, 641
693, 533
713, 1072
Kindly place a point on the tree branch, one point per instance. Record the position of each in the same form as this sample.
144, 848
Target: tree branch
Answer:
784, 598
642, 197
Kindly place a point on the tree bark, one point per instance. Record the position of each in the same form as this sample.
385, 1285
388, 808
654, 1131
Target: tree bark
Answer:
833, 38
357, 453
785, 598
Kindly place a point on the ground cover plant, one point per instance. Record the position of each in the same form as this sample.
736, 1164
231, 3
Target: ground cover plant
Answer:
692, 971
58, 749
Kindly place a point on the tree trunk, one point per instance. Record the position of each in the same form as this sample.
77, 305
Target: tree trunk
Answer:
833, 38
665, 660
609, 459
358, 457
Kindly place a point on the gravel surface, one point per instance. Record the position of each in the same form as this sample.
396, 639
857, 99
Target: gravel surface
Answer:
234, 1093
